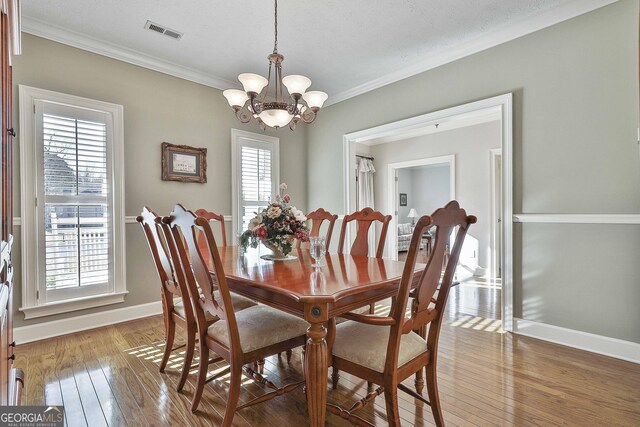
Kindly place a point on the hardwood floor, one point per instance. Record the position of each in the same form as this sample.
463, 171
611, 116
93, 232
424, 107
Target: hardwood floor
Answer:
109, 376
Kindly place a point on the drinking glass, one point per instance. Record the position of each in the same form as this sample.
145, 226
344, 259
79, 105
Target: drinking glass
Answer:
318, 249
318, 281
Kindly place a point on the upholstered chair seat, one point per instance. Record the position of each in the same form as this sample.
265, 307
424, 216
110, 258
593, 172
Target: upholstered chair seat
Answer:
366, 345
239, 303
259, 327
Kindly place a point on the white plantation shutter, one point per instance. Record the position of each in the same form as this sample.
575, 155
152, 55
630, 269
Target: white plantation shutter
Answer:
255, 174
74, 194
256, 181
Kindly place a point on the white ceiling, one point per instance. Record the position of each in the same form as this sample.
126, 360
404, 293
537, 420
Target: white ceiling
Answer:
345, 47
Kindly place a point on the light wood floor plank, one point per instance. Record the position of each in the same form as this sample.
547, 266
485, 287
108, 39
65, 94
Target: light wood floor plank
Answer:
486, 378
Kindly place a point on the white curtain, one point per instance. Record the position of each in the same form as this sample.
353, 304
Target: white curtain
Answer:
365, 172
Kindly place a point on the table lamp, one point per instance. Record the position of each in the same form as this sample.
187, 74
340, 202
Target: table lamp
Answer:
413, 215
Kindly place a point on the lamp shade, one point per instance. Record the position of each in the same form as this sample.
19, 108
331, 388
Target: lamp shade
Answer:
412, 213
275, 118
236, 97
252, 82
296, 84
315, 98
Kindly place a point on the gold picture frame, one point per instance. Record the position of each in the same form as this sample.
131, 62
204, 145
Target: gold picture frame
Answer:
183, 163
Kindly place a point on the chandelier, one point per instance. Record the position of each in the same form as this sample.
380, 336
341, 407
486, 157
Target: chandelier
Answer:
272, 105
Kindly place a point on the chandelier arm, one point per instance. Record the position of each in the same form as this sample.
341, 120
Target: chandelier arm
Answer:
309, 116
252, 100
241, 115
296, 99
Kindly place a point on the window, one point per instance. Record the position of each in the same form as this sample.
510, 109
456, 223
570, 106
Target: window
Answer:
72, 209
255, 175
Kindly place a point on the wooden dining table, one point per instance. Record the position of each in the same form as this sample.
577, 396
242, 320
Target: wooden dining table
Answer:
342, 283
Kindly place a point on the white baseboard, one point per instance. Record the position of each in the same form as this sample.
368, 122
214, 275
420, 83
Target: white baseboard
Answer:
613, 347
40, 331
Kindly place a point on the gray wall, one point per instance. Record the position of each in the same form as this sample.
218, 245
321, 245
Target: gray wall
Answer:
405, 185
157, 108
434, 183
470, 145
575, 89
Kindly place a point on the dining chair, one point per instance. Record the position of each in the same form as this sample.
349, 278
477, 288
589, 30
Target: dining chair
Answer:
386, 350
317, 217
170, 289
364, 219
240, 337
174, 311
212, 216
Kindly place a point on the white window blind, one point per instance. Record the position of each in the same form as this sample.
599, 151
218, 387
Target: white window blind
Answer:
255, 175
75, 224
256, 181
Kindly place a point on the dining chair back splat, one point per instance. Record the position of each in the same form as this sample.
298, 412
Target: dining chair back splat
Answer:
387, 350
317, 217
364, 219
212, 216
173, 313
237, 337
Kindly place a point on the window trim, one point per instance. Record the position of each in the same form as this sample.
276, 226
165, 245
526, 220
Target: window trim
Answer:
29, 232
236, 146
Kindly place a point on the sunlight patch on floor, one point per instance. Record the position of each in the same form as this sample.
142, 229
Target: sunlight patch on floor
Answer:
153, 353
478, 323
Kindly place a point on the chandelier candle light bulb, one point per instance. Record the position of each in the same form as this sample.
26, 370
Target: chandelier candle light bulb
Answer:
270, 104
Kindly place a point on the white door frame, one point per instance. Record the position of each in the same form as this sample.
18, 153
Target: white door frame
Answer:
505, 103
392, 190
494, 215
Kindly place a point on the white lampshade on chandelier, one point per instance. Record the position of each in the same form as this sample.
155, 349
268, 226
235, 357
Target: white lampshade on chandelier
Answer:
272, 105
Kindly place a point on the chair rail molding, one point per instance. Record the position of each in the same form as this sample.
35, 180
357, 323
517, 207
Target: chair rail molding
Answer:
128, 219
552, 218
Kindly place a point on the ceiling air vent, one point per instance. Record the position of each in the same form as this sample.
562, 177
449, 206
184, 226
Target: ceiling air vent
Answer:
163, 30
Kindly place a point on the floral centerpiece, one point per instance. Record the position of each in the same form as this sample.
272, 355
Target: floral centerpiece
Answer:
277, 226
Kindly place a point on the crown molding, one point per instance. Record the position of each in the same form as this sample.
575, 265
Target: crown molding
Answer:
484, 42
58, 34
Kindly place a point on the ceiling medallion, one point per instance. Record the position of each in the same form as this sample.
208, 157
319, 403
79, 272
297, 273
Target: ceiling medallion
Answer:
277, 107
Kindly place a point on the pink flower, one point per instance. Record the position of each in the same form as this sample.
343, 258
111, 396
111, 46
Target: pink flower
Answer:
287, 198
302, 235
261, 232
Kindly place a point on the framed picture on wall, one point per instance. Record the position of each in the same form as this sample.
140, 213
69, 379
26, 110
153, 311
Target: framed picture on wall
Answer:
403, 199
183, 163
